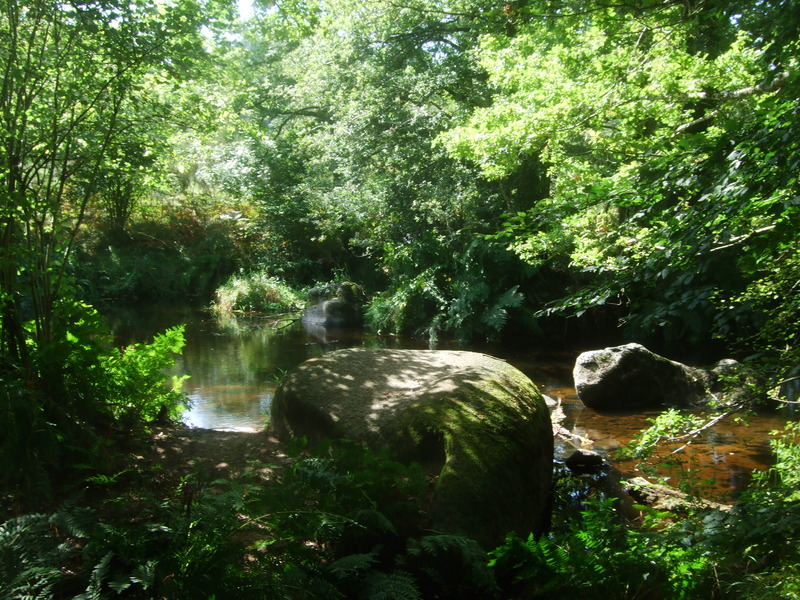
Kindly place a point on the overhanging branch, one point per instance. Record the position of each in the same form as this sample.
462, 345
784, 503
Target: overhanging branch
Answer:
761, 88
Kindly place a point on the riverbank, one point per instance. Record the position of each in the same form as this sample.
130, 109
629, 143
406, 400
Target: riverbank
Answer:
176, 452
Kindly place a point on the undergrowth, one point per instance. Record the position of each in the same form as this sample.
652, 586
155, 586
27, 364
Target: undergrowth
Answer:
345, 523
750, 551
341, 523
85, 395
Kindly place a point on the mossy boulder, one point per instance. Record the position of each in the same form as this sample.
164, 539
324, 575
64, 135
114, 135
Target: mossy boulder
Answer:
335, 306
477, 423
631, 377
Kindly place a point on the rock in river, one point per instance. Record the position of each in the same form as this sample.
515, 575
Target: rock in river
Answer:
474, 420
631, 376
335, 306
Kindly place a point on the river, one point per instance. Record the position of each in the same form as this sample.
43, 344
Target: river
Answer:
235, 365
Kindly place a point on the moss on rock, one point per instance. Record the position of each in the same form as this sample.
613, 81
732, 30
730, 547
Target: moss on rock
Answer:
476, 422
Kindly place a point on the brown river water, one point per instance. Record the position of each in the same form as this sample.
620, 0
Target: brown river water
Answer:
234, 367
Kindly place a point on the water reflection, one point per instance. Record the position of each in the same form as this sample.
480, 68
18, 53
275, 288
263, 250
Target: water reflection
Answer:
234, 368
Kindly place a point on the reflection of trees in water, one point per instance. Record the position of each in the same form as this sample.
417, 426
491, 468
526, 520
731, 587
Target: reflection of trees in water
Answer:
235, 365
252, 356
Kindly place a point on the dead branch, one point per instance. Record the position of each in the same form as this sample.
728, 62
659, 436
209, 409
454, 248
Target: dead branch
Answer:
691, 435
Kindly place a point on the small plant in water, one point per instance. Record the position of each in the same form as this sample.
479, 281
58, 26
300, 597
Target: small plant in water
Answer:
659, 450
256, 292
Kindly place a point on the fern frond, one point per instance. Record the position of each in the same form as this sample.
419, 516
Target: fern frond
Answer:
319, 473
374, 520
73, 521
497, 315
311, 578
437, 545
145, 574
94, 591
33, 583
30, 556
353, 564
397, 585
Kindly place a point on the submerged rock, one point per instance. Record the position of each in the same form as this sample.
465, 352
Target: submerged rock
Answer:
585, 461
475, 421
662, 497
335, 306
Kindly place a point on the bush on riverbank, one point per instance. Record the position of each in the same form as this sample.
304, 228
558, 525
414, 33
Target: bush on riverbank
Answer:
167, 257
87, 395
256, 292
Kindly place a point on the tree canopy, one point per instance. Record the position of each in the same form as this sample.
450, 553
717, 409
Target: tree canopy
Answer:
79, 118
628, 166
631, 162
666, 134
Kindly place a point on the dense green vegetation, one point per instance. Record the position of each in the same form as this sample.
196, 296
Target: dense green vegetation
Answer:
346, 524
79, 105
749, 552
562, 171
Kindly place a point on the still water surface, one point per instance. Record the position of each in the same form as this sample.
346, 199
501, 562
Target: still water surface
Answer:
234, 368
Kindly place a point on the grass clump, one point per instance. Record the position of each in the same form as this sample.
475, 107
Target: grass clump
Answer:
256, 292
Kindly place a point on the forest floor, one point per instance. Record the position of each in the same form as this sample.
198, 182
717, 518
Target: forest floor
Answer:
180, 451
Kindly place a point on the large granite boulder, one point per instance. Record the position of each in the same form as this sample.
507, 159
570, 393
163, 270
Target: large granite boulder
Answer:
630, 376
475, 421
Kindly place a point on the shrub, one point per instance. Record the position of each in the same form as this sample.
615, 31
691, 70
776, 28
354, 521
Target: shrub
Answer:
597, 556
256, 292
160, 257
136, 390
83, 392
749, 552
473, 297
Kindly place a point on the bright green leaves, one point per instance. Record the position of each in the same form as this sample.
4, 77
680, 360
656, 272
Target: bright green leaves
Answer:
660, 131
350, 109
137, 375
72, 113
785, 475
78, 120
591, 97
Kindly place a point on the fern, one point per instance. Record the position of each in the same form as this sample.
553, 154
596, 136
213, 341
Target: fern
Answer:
397, 585
453, 562
34, 547
135, 377
145, 574
102, 479
99, 577
30, 557
73, 521
374, 520
32, 584
438, 545
319, 473
496, 316
557, 560
309, 581
354, 564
